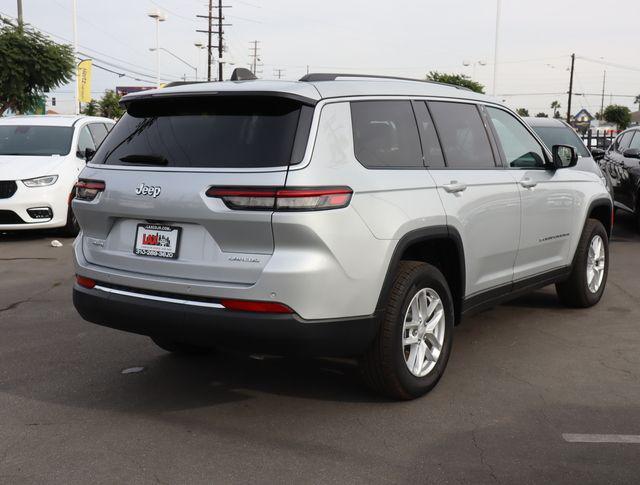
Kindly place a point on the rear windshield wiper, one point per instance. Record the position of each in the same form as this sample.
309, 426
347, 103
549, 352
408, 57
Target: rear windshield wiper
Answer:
145, 159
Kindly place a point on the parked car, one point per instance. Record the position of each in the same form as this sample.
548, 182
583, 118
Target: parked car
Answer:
622, 164
40, 159
337, 215
554, 131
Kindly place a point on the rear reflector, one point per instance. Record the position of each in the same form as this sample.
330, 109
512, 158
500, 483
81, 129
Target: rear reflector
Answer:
85, 282
256, 306
278, 199
87, 190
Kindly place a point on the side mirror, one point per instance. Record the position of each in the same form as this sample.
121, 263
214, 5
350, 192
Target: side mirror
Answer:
564, 156
631, 153
597, 154
88, 154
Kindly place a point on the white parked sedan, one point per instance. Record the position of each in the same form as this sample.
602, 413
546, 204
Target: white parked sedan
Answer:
40, 159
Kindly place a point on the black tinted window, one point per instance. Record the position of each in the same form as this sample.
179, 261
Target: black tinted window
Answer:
561, 135
462, 134
226, 131
385, 134
430, 144
624, 141
98, 132
635, 142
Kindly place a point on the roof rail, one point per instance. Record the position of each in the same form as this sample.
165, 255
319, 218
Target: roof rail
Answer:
325, 76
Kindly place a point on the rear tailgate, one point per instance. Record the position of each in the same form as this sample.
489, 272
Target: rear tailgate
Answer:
157, 164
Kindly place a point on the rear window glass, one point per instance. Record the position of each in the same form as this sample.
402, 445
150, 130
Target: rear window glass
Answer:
208, 132
385, 134
561, 136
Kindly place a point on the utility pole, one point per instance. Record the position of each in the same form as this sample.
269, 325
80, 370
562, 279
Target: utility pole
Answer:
278, 72
20, 18
220, 33
495, 47
254, 55
573, 61
604, 78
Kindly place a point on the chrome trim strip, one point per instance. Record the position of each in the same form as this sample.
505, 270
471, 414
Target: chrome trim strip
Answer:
158, 298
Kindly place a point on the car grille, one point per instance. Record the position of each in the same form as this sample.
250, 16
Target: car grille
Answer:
7, 188
10, 217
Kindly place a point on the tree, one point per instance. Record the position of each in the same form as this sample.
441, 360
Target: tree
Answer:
456, 79
637, 101
620, 115
542, 115
30, 65
522, 111
109, 105
555, 107
91, 108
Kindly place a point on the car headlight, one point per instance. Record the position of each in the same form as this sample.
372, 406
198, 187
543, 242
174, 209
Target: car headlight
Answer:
41, 181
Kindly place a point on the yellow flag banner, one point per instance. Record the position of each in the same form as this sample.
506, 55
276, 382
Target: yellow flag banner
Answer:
84, 81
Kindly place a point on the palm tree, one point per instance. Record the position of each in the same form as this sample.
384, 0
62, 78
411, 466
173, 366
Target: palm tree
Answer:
555, 106
637, 101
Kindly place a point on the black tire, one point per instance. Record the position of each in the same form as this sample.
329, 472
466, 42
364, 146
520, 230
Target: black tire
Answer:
180, 347
383, 366
71, 228
574, 292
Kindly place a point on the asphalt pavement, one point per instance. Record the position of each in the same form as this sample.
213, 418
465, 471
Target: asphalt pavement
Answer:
534, 393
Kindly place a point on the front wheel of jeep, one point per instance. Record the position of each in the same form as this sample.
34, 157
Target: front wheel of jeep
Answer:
588, 278
411, 350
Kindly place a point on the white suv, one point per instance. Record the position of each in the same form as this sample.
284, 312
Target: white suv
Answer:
336, 215
40, 159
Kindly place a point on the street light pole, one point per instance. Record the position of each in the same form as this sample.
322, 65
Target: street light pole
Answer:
495, 47
20, 18
76, 102
158, 17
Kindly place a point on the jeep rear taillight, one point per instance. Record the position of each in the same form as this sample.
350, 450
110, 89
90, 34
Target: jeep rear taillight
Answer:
280, 199
88, 190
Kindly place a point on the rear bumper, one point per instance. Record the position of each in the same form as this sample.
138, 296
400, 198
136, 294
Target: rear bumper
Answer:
268, 333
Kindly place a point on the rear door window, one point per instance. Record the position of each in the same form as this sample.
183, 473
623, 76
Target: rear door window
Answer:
463, 136
209, 132
385, 134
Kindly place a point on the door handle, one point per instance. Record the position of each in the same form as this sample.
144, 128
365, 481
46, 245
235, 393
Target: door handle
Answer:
454, 187
528, 183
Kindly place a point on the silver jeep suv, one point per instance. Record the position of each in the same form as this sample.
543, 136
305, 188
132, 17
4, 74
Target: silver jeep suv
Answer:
333, 216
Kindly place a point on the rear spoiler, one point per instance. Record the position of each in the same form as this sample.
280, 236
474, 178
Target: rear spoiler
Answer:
125, 101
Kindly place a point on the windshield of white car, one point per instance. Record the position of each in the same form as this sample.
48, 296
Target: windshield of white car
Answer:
33, 140
561, 136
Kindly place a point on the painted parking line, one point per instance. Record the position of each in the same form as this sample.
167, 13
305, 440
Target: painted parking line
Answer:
601, 438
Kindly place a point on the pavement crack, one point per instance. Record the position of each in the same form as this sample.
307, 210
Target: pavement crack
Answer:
27, 259
484, 462
16, 304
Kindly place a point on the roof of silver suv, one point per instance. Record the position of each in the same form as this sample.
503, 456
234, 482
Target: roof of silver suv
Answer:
314, 91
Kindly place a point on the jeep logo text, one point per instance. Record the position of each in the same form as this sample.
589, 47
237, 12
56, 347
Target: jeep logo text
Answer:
150, 190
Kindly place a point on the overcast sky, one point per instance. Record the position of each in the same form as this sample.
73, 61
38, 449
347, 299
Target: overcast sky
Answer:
392, 37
